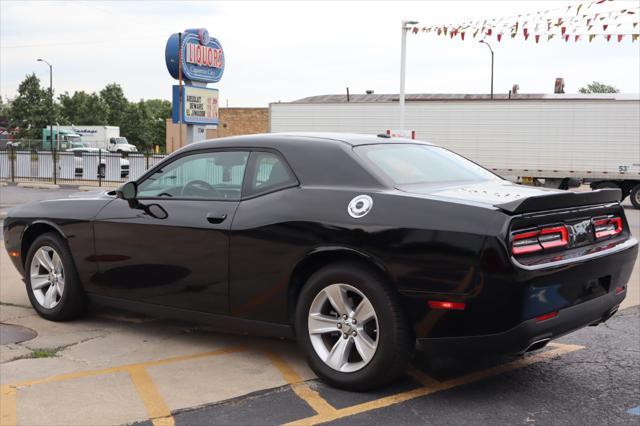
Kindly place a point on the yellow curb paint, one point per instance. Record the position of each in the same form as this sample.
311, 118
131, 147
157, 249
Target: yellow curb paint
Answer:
90, 373
157, 409
302, 389
416, 393
8, 406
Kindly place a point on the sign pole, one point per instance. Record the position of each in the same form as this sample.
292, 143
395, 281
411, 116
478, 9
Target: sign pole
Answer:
180, 85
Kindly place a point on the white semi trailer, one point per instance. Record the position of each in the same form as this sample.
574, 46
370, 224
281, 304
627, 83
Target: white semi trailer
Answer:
105, 137
552, 140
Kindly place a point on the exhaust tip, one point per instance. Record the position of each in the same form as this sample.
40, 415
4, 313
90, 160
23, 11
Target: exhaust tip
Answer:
538, 344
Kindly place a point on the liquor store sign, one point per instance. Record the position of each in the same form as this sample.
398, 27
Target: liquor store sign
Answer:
202, 56
199, 105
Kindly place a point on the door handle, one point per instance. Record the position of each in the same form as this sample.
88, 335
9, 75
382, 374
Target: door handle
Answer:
216, 217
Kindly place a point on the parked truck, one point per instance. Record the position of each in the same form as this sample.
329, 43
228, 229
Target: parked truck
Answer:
104, 137
558, 141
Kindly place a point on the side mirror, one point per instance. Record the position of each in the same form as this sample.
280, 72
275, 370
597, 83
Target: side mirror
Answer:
128, 191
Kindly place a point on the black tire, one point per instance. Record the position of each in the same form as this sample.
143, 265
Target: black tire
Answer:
72, 303
609, 185
634, 195
395, 340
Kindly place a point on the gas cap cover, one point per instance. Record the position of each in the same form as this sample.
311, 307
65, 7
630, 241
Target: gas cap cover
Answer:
360, 206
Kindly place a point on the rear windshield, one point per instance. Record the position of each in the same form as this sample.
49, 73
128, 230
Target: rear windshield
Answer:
407, 164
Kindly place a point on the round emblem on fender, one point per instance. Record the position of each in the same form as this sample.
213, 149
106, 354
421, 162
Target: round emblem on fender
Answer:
360, 206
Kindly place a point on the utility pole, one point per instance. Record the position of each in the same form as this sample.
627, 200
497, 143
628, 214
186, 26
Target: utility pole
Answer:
403, 60
489, 46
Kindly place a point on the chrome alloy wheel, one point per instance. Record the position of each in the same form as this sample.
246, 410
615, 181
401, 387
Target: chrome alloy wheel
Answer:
47, 277
343, 328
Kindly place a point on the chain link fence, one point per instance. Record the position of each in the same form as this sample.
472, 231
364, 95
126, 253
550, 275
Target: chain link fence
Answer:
80, 166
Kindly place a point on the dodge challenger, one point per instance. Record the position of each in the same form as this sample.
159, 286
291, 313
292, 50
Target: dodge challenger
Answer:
357, 246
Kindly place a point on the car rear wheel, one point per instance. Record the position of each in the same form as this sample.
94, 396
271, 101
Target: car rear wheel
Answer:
52, 283
351, 328
635, 196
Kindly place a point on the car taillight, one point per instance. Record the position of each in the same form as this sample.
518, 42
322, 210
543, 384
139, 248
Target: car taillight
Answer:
540, 239
607, 226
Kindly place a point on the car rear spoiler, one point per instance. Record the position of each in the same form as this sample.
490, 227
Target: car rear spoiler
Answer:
559, 200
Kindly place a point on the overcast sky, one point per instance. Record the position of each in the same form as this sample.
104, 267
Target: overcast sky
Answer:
282, 51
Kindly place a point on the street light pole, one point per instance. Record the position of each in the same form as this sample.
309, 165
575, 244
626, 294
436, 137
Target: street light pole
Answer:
482, 41
403, 60
50, 100
53, 147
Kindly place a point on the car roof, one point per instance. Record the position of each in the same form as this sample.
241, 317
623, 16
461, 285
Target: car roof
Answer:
276, 139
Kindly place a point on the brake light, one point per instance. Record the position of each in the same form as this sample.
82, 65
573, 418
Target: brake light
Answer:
438, 304
547, 316
606, 227
541, 239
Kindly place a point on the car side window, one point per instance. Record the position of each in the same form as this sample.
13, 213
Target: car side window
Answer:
210, 175
269, 173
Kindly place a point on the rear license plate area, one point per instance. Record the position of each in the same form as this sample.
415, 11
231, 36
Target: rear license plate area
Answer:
592, 289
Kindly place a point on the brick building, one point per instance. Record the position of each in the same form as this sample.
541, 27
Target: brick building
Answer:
233, 121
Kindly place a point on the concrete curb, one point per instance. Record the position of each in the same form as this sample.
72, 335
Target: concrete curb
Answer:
38, 185
96, 188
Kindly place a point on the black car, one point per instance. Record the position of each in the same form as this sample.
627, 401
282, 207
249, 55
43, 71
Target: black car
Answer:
354, 245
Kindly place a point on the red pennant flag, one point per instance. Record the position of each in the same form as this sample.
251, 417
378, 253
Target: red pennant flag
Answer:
415, 30
604, 27
588, 21
566, 38
608, 37
537, 38
564, 30
462, 36
526, 36
489, 32
577, 38
526, 33
620, 37
499, 37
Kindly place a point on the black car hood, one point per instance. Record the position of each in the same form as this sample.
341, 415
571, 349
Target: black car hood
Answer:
514, 198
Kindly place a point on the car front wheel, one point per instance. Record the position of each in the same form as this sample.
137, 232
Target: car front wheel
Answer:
52, 282
351, 328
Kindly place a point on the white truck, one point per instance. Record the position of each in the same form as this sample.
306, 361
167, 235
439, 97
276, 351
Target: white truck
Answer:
550, 140
105, 137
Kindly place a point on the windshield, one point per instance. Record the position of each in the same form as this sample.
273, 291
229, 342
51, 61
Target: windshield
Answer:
74, 138
121, 141
407, 164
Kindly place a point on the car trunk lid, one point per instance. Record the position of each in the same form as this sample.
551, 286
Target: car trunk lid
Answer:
512, 198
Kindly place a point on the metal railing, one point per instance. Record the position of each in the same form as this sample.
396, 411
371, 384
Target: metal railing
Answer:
92, 167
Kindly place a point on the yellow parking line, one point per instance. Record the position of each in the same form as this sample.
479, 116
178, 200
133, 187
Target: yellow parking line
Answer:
157, 409
302, 389
8, 406
125, 367
416, 393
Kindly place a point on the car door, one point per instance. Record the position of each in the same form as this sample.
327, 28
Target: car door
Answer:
171, 247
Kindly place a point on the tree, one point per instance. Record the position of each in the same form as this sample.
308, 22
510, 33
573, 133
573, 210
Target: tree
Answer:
116, 103
159, 110
30, 109
597, 87
82, 108
136, 125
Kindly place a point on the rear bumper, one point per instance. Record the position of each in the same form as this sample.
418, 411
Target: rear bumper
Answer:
524, 335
